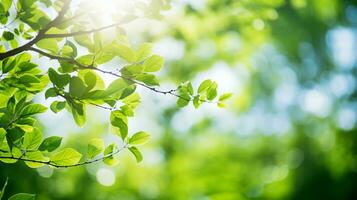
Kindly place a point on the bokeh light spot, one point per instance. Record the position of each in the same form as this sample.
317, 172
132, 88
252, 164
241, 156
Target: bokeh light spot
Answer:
106, 177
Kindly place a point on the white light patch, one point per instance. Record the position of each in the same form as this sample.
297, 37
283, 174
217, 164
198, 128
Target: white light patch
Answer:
341, 84
285, 95
196, 4
258, 24
343, 44
316, 102
109, 6
102, 11
105, 177
346, 118
170, 48
227, 78
45, 171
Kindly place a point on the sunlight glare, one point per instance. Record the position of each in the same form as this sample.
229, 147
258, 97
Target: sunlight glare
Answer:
105, 10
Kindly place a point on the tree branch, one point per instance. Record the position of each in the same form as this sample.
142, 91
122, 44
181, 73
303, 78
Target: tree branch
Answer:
94, 104
81, 66
40, 34
64, 35
49, 163
71, 18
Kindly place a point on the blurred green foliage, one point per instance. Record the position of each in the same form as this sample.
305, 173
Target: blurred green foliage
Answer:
293, 119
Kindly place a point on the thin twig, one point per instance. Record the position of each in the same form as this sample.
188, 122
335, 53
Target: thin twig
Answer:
71, 18
64, 35
81, 66
40, 34
11, 22
50, 163
94, 104
100, 106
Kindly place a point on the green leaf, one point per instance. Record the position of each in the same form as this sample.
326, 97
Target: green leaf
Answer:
126, 53
128, 91
51, 92
84, 40
139, 138
225, 96
2, 135
96, 95
14, 136
66, 67
153, 64
21, 103
184, 98
48, 44
221, 104
57, 106
14, 43
212, 91
66, 157
131, 102
33, 109
16, 153
33, 17
26, 121
8, 35
8, 65
135, 151
148, 79
106, 54
11, 104
48, 3
131, 70
204, 86
6, 6
119, 120
98, 42
108, 155
23, 196
50, 144
25, 127
69, 49
90, 79
95, 147
189, 88
86, 59
27, 67
58, 79
182, 102
29, 79
78, 112
35, 155
143, 52
196, 101
116, 86
127, 110
32, 139
24, 58
76, 87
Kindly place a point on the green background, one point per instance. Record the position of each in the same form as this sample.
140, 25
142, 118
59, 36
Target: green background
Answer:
289, 132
